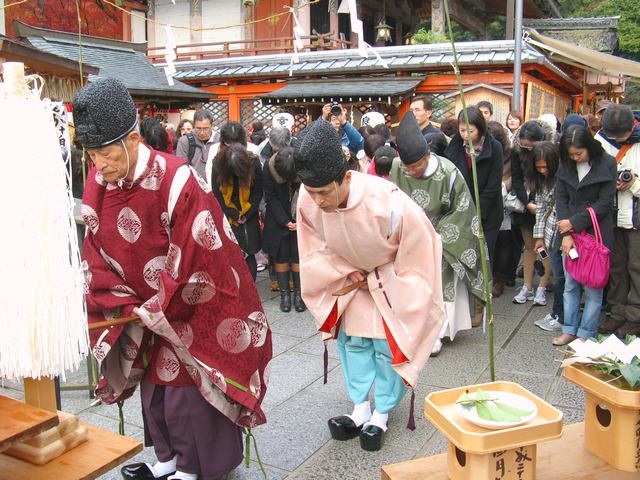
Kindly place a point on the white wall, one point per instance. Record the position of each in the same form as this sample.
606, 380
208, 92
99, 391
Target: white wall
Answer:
214, 12
138, 28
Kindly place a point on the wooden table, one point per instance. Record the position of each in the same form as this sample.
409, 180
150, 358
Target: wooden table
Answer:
561, 459
102, 452
19, 421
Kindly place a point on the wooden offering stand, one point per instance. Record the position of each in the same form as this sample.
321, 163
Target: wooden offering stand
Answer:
611, 418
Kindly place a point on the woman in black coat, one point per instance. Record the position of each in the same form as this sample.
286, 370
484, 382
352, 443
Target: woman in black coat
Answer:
237, 184
281, 188
586, 178
489, 162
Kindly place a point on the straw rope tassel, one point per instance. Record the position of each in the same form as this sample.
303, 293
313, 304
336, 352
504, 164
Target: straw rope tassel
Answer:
42, 310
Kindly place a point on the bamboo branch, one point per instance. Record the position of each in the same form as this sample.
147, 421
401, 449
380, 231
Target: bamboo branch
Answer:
483, 246
115, 321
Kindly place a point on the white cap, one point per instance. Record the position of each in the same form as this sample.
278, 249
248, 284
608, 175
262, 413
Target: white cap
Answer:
372, 119
283, 119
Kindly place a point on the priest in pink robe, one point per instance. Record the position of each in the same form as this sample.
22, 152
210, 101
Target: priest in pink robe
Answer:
370, 265
158, 246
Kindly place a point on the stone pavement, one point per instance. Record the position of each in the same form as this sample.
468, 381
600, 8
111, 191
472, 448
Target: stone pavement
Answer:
295, 443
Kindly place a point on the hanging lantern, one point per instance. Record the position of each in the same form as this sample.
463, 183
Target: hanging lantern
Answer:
383, 31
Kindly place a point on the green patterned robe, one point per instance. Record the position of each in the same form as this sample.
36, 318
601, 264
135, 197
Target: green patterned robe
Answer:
448, 204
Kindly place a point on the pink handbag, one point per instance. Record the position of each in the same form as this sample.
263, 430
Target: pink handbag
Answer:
591, 268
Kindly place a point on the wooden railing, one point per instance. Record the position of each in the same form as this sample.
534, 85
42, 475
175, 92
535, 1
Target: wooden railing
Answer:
243, 48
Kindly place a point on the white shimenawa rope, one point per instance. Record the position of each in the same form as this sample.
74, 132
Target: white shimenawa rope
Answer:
43, 320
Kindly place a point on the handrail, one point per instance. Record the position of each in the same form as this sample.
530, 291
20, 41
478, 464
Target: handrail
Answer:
203, 51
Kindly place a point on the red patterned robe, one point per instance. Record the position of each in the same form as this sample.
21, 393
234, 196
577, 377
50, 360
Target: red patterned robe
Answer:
161, 243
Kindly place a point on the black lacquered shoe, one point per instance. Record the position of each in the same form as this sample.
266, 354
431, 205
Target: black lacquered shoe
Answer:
140, 471
343, 428
371, 438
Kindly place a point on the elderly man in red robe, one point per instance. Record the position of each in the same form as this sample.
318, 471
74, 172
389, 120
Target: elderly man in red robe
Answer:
158, 246
370, 264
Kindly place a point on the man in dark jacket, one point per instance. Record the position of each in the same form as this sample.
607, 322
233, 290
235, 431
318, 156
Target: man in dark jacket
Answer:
203, 139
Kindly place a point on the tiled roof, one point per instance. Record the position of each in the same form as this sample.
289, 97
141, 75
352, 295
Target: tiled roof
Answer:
332, 62
574, 23
343, 90
120, 60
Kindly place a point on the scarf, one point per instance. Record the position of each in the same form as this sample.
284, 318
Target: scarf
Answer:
245, 205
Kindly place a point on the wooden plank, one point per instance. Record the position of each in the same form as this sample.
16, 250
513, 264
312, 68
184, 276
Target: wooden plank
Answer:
20, 421
41, 393
102, 452
561, 459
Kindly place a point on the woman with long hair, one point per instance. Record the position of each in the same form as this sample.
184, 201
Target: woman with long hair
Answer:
586, 178
236, 181
529, 134
541, 173
281, 187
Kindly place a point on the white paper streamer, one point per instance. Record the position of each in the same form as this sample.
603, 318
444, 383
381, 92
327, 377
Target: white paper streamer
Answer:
170, 54
42, 311
298, 32
356, 27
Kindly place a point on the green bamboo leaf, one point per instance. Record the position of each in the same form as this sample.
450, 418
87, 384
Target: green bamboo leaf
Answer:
465, 400
519, 412
483, 411
631, 374
482, 395
499, 415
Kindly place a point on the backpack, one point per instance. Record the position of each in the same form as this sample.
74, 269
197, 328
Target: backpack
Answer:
192, 146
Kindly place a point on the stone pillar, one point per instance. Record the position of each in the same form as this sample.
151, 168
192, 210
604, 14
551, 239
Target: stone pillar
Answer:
438, 17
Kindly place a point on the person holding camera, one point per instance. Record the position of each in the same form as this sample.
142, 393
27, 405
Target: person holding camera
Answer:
620, 136
586, 179
350, 137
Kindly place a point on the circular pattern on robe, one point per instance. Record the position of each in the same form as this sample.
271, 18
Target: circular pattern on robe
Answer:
86, 277
90, 218
129, 225
152, 305
121, 291
469, 257
154, 178
233, 335
450, 233
152, 270
184, 332
228, 230
128, 347
164, 221
174, 255
134, 377
478, 282
199, 289
167, 365
236, 276
100, 179
114, 265
421, 197
194, 373
463, 204
204, 231
218, 379
266, 373
459, 269
449, 292
259, 328
100, 350
438, 175
254, 384
475, 226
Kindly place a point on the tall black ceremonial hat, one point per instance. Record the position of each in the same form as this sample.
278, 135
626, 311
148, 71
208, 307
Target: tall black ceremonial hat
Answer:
103, 113
318, 155
411, 144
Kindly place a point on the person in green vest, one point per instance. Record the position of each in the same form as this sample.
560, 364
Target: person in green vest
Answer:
438, 187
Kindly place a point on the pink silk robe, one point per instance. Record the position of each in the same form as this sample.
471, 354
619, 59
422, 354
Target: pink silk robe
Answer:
161, 243
384, 234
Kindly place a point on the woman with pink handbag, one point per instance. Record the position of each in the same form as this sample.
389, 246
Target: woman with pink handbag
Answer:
586, 185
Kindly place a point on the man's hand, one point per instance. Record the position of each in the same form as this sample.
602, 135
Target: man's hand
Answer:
564, 226
291, 226
624, 186
326, 111
355, 277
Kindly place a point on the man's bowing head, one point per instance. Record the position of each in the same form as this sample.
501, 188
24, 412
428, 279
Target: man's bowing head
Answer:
321, 166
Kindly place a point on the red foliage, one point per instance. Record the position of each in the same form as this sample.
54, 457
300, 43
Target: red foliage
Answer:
98, 18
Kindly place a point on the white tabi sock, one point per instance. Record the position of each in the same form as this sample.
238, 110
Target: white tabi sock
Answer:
183, 476
163, 468
361, 413
379, 420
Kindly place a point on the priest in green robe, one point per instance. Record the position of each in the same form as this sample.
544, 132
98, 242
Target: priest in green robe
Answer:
439, 188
